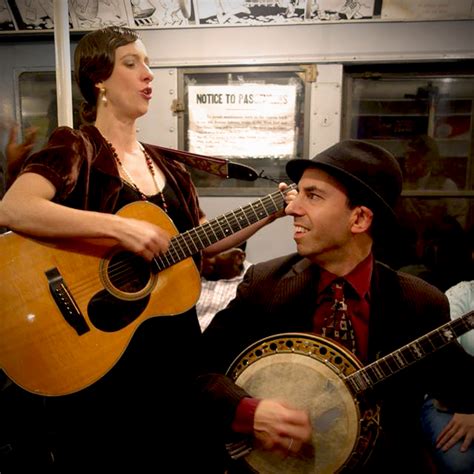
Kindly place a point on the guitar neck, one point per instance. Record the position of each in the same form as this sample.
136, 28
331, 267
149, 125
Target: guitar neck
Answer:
415, 351
194, 240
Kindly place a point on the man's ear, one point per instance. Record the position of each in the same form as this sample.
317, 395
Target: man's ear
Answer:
363, 218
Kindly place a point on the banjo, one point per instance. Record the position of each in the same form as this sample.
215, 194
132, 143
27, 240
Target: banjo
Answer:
328, 381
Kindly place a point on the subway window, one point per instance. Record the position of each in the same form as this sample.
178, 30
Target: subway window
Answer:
38, 104
425, 118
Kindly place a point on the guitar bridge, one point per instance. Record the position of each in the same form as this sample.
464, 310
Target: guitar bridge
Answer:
66, 304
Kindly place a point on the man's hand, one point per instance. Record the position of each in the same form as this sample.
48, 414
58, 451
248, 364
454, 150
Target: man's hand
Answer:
281, 429
289, 196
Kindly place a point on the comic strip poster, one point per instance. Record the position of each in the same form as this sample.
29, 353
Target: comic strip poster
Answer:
162, 13
337, 10
33, 15
94, 14
253, 12
6, 17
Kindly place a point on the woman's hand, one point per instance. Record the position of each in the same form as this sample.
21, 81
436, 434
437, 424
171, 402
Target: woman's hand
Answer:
143, 238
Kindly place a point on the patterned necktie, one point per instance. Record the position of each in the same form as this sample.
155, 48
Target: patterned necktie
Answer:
338, 325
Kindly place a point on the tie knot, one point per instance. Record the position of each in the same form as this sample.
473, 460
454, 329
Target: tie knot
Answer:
337, 287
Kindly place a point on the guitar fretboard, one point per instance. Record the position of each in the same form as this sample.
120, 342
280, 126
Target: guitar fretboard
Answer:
394, 362
191, 242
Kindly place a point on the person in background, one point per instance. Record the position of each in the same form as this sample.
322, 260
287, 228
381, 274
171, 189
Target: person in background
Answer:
423, 170
220, 277
15, 154
450, 434
434, 244
346, 199
139, 416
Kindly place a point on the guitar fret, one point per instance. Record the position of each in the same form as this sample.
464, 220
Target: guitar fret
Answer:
384, 367
230, 218
216, 238
256, 215
158, 263
274, 203
270, 205
187, 246
370, 375
357, 382
377, 372
399, 359
220, 229
165, 256
407, 354
245, 215
441, 337
228, 223
189, 239
183, 247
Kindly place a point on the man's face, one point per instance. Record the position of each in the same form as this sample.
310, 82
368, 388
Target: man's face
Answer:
321, 216
416, 165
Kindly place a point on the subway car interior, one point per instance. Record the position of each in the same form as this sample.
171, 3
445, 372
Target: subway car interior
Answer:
258, 83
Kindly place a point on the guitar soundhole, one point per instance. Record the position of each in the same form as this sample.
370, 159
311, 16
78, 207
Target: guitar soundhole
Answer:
128, 272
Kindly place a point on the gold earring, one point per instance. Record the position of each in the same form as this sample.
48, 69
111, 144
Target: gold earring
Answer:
103, 97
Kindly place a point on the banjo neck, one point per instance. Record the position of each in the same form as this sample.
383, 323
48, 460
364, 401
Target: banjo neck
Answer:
407, 355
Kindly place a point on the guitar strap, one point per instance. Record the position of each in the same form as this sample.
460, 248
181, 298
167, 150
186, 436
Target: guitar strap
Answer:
216, 166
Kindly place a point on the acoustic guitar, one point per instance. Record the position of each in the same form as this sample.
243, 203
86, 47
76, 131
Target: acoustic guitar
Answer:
324, 378
70, 307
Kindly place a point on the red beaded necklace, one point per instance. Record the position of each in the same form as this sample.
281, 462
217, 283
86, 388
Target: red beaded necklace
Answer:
132, 183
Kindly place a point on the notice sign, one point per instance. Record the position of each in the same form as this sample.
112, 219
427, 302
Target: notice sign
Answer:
248, 120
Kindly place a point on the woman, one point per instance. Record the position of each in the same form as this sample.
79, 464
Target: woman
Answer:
139, 416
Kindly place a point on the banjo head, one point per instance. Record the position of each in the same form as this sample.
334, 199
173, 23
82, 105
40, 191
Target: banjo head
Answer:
307, 372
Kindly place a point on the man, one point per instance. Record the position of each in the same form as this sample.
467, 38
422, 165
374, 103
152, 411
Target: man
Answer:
15, 154
436, 246
346, 198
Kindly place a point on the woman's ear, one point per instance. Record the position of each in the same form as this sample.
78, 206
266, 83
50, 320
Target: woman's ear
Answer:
363, 218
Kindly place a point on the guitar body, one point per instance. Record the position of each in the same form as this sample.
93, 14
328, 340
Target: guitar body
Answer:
69, 309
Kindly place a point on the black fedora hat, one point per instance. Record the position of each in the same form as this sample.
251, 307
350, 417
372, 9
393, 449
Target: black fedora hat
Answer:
361, 167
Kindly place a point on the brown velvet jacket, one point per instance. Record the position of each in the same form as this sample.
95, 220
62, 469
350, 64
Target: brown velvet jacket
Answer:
81, 166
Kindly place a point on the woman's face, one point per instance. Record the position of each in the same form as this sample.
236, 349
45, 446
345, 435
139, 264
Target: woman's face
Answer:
128, 89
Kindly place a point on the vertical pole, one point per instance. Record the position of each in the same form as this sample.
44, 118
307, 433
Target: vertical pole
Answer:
63, 62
